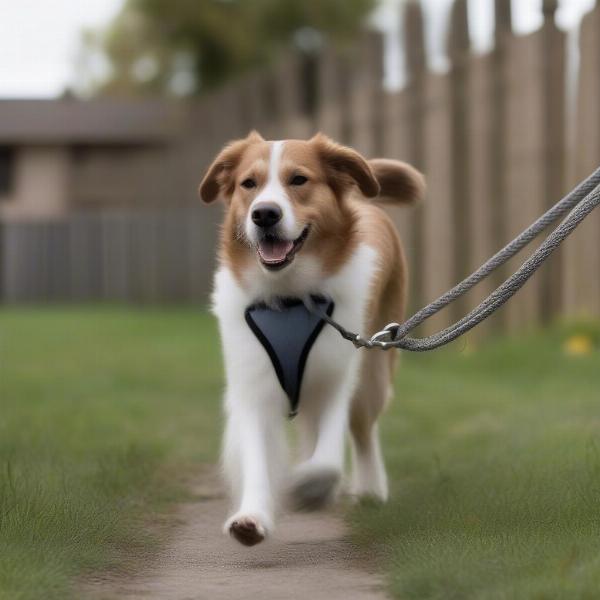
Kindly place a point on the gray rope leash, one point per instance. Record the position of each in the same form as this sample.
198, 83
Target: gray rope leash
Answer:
581, 202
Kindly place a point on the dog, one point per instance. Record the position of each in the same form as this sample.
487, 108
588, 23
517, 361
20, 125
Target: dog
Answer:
302, 218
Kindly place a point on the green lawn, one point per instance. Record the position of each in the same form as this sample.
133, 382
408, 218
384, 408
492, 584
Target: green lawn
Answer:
494, 458
101, 414
494, 455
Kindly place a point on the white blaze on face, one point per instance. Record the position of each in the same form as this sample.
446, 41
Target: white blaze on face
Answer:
274, 192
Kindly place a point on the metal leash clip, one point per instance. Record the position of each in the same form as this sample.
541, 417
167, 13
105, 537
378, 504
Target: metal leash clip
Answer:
359, 342
386, 336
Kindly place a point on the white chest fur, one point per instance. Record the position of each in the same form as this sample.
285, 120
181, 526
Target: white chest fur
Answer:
250, 375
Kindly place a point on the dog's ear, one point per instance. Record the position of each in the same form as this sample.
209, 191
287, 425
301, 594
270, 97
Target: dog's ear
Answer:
218, 181
400, 182
345, 167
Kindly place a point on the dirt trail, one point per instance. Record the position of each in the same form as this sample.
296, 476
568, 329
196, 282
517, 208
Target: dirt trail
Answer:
308, 558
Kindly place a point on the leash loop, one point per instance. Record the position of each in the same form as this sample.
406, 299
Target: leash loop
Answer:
388, 334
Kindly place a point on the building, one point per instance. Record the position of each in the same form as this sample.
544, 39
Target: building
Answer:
67, 155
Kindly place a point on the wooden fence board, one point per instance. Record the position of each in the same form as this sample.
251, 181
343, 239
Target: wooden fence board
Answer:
115, 256
397, 144
524, 200
366, 97
481, 141
437, 262
294, 121
581, 257
332, 111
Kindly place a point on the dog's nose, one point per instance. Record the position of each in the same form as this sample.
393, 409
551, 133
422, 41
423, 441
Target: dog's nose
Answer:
266, 214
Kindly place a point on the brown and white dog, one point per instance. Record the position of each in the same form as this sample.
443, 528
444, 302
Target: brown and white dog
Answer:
301, 218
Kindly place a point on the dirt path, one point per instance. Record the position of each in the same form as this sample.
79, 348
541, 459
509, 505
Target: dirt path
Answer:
308, 558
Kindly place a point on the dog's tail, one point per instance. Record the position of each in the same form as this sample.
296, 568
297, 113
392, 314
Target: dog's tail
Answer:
400, 183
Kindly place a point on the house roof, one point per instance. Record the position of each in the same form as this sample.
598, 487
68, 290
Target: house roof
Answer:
101, 121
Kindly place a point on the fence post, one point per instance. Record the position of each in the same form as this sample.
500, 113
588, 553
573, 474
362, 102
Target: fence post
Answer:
294, 121
498, 152
581, 292
554, 106
416, 68
251, 108
459, 48
367, 96
526, 138
332, 108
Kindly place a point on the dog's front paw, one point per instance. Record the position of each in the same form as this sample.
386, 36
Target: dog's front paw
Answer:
314, 487
248, 529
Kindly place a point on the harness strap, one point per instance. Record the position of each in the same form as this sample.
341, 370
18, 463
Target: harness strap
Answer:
288, 333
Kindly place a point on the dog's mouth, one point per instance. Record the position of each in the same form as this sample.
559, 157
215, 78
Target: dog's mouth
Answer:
276, 253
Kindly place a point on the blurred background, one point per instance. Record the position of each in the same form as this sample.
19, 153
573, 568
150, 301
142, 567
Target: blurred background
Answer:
110, 373
111, 111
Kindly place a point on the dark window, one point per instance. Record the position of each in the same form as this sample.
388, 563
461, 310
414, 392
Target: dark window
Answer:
6, 170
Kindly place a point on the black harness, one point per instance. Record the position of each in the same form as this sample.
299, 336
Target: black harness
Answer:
288, 333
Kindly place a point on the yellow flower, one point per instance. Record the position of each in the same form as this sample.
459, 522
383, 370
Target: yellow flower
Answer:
578, 345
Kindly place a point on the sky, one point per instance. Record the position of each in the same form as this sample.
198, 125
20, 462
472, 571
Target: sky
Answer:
39, 38
39, 41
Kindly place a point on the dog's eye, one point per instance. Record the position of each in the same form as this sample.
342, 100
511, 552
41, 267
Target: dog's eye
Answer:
249, 183
298, 180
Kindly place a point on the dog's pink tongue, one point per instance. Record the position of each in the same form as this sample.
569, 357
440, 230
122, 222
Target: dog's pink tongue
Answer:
274, 251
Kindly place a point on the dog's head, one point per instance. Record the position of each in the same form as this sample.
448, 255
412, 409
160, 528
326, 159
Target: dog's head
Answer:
286, 198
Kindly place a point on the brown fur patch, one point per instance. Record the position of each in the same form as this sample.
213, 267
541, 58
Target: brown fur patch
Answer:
400, 182
345, 166
217, 183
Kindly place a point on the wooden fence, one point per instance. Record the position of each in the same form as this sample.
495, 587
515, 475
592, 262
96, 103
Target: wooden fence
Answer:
493, 136
139, 257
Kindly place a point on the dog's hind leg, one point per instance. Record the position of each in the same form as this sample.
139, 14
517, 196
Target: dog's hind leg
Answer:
369, 478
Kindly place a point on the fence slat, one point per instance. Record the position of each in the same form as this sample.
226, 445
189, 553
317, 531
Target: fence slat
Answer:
293, 91
413, 128
525, 139
481, 175
460, 108
366, 96
581, 257
438, 238
553, 105
397, 144
333, 83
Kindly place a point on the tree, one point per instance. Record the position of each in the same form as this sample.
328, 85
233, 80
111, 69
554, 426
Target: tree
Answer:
189, 46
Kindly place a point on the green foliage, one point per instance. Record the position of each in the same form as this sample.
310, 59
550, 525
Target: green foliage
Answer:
154, 45
494, 457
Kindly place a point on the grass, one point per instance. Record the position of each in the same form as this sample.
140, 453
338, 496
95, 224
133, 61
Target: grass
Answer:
494, 455
101, 412
494, 458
